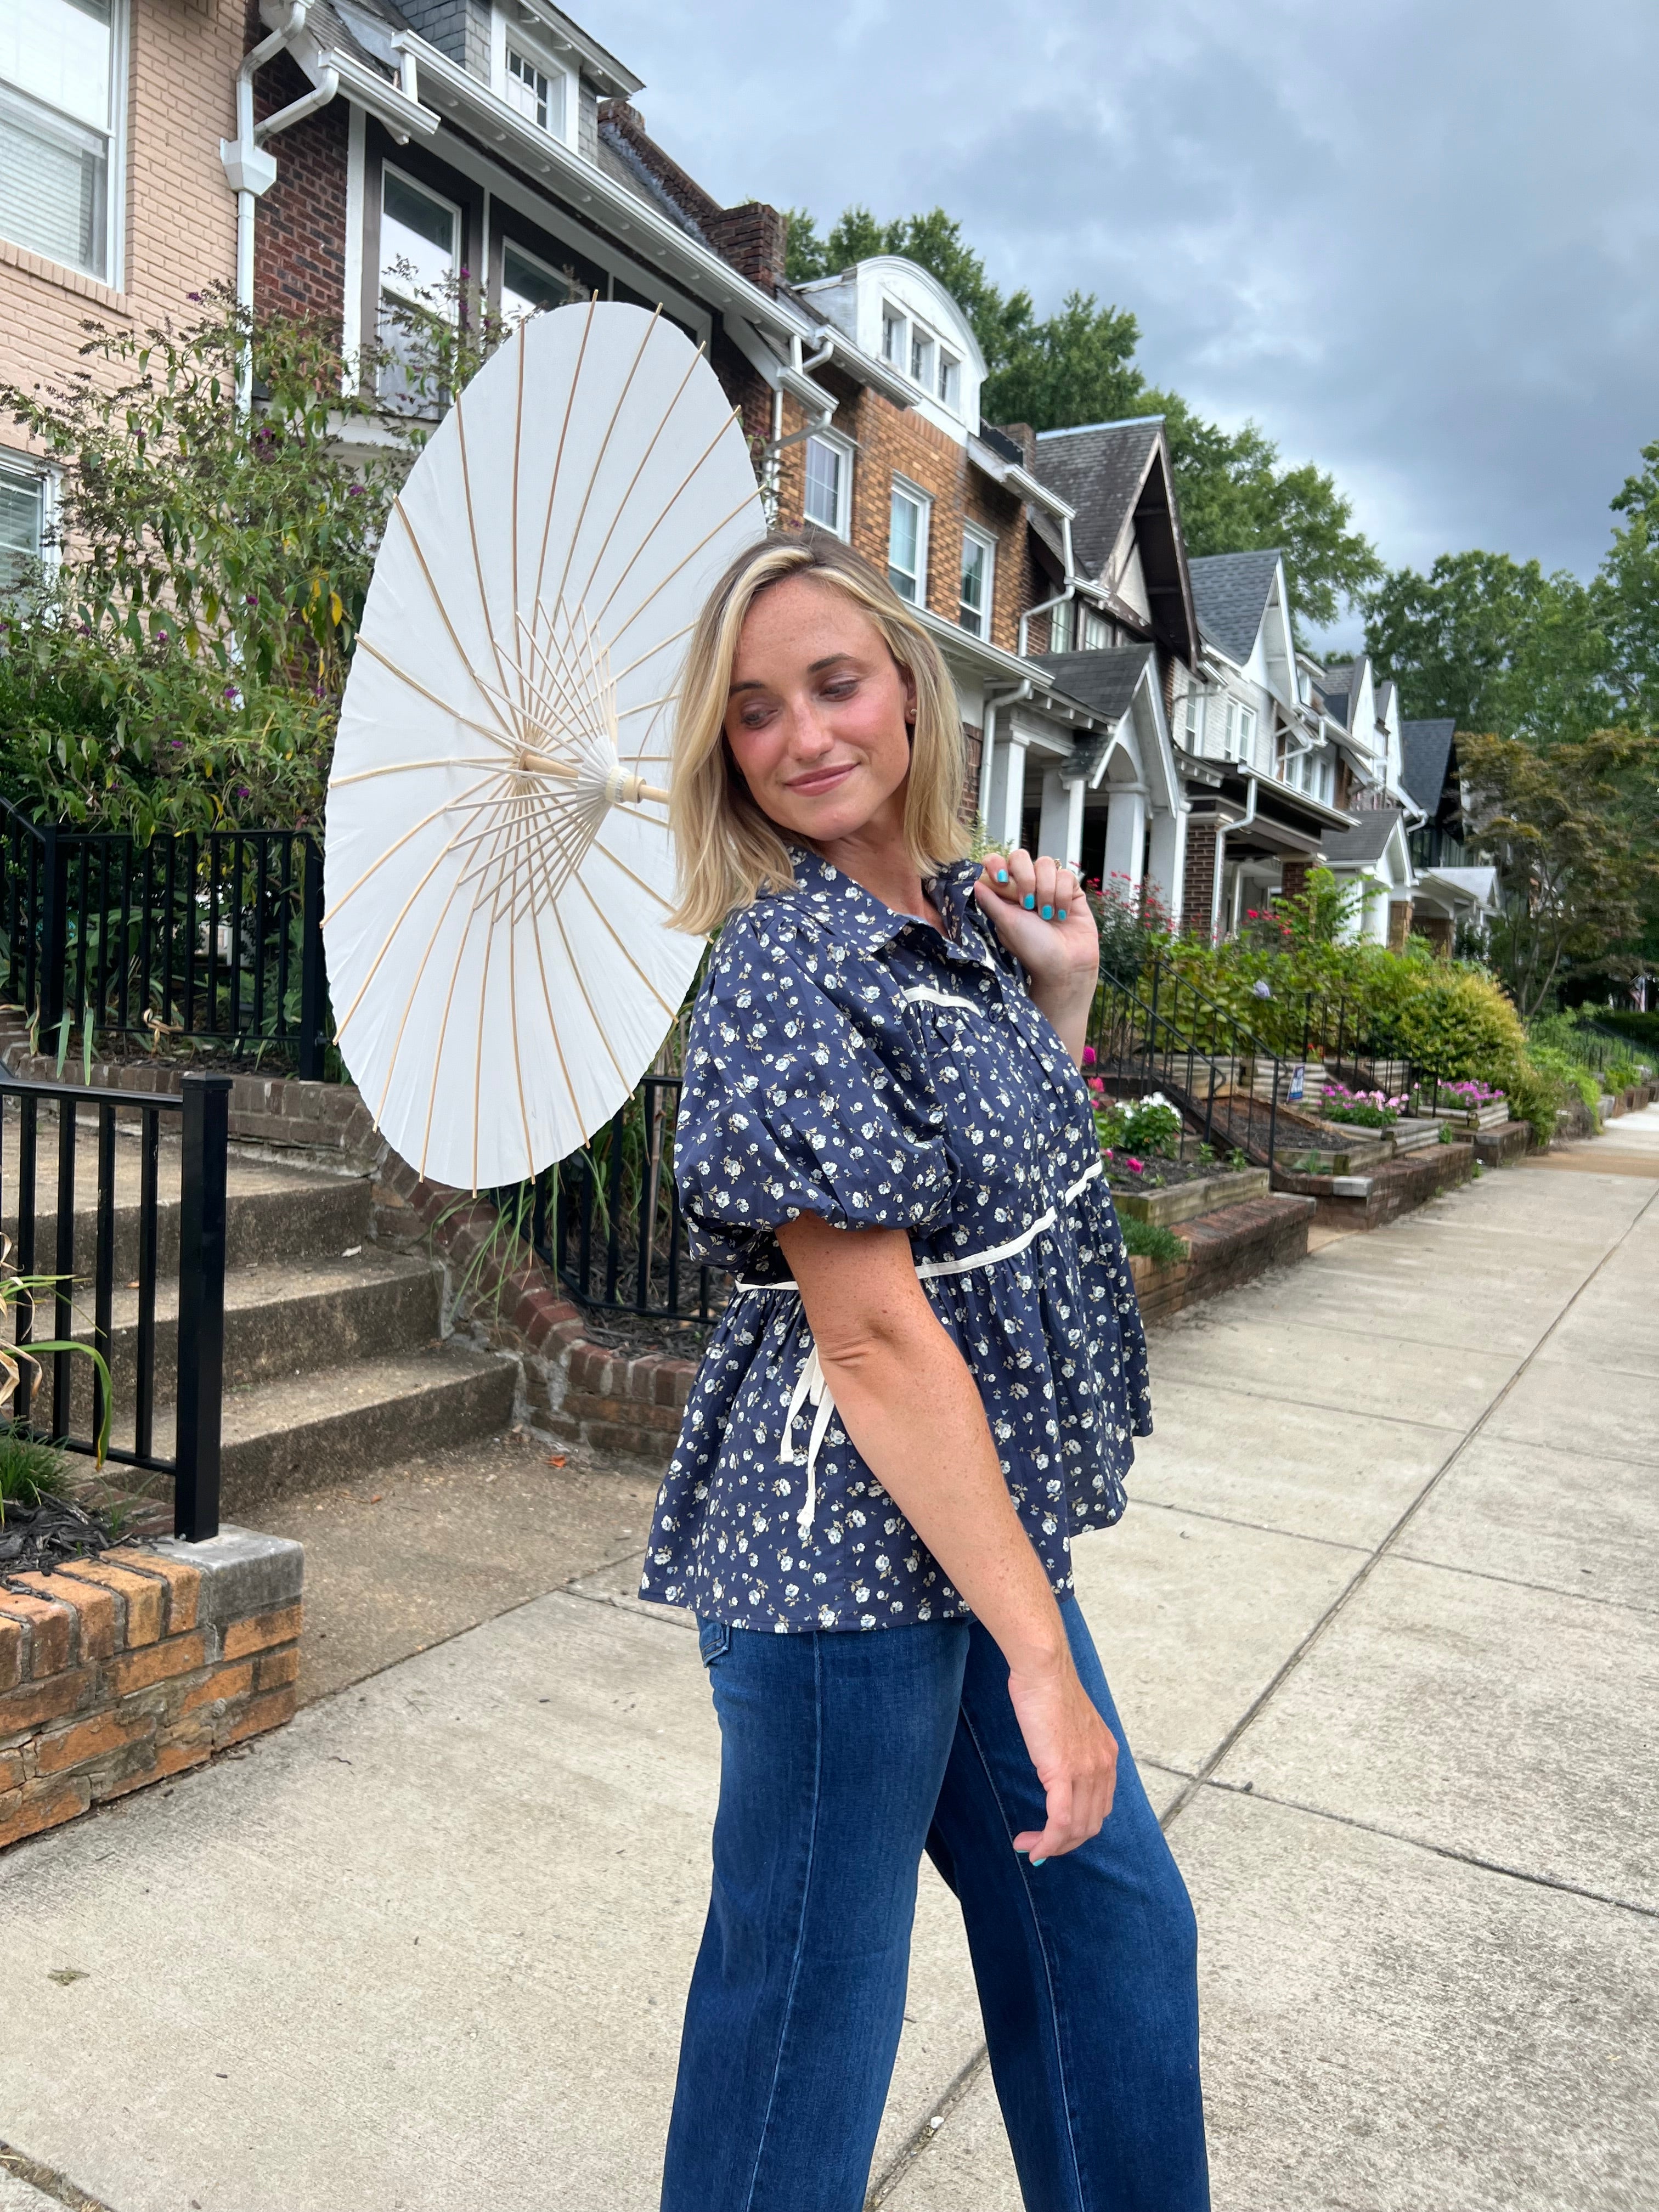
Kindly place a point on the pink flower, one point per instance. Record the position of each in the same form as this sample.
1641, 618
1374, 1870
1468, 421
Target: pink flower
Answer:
1136, 1166
1088, 1056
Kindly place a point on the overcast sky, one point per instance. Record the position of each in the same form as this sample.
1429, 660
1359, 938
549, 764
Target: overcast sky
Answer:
1414, 239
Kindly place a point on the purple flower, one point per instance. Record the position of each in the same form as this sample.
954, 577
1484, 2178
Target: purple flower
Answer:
354, 491
194, 295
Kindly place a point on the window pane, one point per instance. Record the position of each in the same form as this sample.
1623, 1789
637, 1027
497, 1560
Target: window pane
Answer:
823, 467
59, 50
903, 545
892, 337
949, 379
54, 185
22, 522
527, 287
921, 358
974, 561
1059, 627
418, 229
526, 91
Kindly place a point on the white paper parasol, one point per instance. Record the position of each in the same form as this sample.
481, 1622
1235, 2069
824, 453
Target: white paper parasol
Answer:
498, 862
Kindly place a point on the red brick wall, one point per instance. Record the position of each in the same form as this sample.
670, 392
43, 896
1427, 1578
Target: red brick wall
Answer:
1293, 882
300, 230
1198, 887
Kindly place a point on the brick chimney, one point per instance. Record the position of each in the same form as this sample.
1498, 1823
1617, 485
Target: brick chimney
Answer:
752, 238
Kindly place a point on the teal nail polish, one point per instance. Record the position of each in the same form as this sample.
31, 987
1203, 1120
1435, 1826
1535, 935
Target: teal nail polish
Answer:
1039, 1861
1028, 901
1048, 914
1062, 914
1002, 875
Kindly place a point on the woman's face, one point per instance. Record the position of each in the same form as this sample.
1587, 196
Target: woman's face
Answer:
818, 712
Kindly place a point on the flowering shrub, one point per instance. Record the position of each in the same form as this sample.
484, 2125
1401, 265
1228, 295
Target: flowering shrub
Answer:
1134, 1126
1368, 1110
1466, 1096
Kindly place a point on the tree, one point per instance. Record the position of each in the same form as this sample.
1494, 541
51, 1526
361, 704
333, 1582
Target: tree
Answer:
1497, 645
1574, 832
1630, 573
1078, 366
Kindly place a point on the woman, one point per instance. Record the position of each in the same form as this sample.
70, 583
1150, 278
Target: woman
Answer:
928, 1380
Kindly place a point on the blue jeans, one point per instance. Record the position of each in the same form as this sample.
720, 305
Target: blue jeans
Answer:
843, 1756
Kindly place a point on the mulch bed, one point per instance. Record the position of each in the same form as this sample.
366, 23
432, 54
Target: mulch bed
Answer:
633, 1334
1161, 1175
33, 1537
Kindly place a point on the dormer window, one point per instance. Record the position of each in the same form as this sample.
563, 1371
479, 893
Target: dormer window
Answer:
921, 358
895, 331
538, 95
950, 381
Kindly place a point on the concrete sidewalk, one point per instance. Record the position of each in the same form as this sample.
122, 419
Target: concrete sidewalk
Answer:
1383, 1625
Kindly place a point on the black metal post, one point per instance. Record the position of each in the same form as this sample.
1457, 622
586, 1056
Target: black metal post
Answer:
314, 985
54, 928
201, 1305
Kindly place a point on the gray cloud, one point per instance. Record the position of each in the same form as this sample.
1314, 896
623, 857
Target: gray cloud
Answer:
1415, 241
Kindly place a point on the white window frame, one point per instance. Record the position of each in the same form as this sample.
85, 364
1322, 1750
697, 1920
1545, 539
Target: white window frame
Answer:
832, 442
1193, 722
948, 385
896, 350
904, 489
1240, 742
384, 283
924, 356
987, 545
1061, 619
1094, 631
511, 245
23, 468
113, 276
523, 36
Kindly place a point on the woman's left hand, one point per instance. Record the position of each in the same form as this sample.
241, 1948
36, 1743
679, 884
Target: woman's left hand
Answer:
1040, 913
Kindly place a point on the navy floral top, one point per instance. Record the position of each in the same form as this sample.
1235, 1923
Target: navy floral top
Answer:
850, 1062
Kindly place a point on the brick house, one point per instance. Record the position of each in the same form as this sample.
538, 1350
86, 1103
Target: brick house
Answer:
113, 201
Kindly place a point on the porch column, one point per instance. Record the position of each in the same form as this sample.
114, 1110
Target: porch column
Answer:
1060, 833
1125, 839
1007, 793
1167, 864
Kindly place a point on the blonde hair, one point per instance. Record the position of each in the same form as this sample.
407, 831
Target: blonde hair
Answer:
728, 852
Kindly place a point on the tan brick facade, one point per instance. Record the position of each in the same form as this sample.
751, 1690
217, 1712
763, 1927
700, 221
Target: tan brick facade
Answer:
179, 216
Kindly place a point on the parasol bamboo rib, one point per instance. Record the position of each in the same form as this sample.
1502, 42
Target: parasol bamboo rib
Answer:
380, 858
437, 601
668, 1007
518, 443
623, 628
599, 458
667, 508
472, 535
491, 737
622, 504
558, 457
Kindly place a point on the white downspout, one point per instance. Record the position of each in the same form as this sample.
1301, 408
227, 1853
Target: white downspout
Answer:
988, 733
251, 170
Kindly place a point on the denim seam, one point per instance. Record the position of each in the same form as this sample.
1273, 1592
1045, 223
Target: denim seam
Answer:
1042, 1952
800, 1929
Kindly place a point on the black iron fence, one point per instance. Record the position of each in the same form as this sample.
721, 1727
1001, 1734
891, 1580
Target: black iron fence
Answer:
217, 936
1161, 1034
608, 1220
120, 1200
1360, 1047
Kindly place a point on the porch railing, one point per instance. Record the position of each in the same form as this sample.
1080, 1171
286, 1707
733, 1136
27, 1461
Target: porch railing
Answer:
155, 1168
217, 936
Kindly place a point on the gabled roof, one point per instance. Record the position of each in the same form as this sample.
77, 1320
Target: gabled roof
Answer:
1425, 753
1105, 682
1367, 841
1230, 592
1110, 472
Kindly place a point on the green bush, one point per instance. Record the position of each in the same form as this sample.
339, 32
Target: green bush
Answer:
1640, 1030
1144, 1242
1148, 1125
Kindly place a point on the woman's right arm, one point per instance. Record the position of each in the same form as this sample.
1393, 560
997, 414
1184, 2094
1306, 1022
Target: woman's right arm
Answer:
905, 1396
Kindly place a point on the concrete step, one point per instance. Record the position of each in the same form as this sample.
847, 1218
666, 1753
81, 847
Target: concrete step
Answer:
333, 1424
281, 1319
274, 1213
1414, 1137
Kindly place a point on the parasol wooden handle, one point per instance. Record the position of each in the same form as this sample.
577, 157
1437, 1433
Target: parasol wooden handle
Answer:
621, 788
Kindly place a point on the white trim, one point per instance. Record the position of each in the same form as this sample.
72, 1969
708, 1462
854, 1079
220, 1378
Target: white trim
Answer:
902, 487
535, 46
972, 535
446, 82
924, 994
843, 448
511, 245
351, 313
28, 468
417, 185
113, 131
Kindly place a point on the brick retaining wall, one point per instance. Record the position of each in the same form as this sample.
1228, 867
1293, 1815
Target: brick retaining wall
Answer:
120, 1671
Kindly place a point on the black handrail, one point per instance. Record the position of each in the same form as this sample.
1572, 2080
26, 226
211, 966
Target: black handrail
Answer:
197, 1120
216, 935
1211, 1065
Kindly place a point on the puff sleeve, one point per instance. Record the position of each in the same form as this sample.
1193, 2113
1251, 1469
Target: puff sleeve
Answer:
806, 1091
